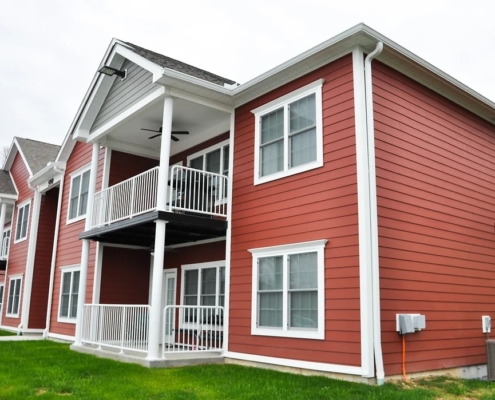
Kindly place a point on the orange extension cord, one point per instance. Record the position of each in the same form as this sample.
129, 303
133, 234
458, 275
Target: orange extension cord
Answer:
404, 358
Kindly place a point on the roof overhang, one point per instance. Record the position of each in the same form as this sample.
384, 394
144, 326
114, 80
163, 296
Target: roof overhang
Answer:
393, 55
49, 176
13, 150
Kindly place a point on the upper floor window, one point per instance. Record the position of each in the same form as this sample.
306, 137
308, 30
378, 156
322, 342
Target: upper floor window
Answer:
21, 227
213, 159
79, 188
4, 244
289, 134
289, 290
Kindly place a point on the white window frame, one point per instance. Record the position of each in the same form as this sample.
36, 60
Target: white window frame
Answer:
204, 152
199, 267
317, 246
16, 314
19, 207
73, 175
4, 235
64, 270
2, 292
283, 102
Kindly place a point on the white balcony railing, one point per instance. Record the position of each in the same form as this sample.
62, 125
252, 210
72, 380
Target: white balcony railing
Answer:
4, 247
189, 329
123, 327
191, 191
197, 191
126, 199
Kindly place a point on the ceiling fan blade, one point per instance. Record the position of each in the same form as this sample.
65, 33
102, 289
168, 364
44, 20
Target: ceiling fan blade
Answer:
152, 130
174, 138
180, 133
154, 136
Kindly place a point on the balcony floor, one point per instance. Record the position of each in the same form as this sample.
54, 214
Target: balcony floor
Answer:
173, 360
140, 230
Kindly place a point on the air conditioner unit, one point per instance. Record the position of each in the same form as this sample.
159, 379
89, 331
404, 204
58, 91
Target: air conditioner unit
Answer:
490, 359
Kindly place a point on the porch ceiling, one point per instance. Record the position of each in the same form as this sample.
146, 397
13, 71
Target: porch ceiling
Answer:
200, 121
140, 230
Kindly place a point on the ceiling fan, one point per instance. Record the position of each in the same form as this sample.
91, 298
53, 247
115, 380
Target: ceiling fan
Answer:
159, 133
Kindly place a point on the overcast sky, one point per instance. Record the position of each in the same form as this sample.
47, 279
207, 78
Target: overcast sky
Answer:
49, 50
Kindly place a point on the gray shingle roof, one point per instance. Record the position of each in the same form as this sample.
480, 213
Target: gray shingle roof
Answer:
176, 65
6, 184
38, 154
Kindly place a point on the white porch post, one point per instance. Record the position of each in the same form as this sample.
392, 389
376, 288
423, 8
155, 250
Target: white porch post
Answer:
159, 258
85, 245
3, 212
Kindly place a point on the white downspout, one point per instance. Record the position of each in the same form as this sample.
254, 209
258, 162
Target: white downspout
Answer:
54, 252
375, 261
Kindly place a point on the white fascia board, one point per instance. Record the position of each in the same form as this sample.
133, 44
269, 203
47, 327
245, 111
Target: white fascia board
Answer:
50, 171
10, 157
8, 198
124, 51
19, 149
199, 87
104, 130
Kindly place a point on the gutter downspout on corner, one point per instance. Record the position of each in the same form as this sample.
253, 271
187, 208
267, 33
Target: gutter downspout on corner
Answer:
375, 261
54, 252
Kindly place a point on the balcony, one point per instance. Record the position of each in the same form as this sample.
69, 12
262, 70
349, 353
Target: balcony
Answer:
188, 333
196, 208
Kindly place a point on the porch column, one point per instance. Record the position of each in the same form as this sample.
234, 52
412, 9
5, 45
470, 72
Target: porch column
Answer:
158, 260
3, 212
83, 275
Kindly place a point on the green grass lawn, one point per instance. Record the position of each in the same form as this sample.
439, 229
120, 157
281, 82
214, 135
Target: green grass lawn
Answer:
49, 370
6, 333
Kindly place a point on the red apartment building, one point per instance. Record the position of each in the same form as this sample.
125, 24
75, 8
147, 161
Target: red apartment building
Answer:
284, 222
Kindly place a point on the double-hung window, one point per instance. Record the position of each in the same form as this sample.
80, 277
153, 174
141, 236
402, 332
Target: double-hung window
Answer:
21, 227
14, 300
288, 290
213, 159
79, 188
289, 134
203, 285
4, 244
69, 294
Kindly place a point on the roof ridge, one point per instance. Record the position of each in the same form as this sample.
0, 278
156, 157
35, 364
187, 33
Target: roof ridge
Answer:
37, 141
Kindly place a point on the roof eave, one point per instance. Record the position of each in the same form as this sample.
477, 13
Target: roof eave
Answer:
50, 171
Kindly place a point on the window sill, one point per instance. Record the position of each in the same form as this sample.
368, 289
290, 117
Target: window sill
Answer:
304, 334
290, 172
20, 240
12, 315
77, 219
67, 320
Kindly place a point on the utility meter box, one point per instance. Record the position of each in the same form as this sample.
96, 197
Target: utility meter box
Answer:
410, 323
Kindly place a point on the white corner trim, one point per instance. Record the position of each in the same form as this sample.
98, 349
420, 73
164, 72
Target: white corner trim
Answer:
286, 362
363, 191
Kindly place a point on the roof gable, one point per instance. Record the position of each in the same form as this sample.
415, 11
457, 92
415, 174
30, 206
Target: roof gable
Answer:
35, 154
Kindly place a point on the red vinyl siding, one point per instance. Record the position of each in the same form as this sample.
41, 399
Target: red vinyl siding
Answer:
436, 208
69, 246
18, 251
125, 273
124, 166
316, 204
42, 260
125, 276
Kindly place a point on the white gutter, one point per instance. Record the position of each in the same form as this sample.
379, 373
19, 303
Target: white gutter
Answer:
375, 260
54, 252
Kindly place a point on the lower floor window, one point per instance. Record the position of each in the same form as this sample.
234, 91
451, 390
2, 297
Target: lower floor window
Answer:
15, 284
1, 298
203, 285
288, 290
69, 294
